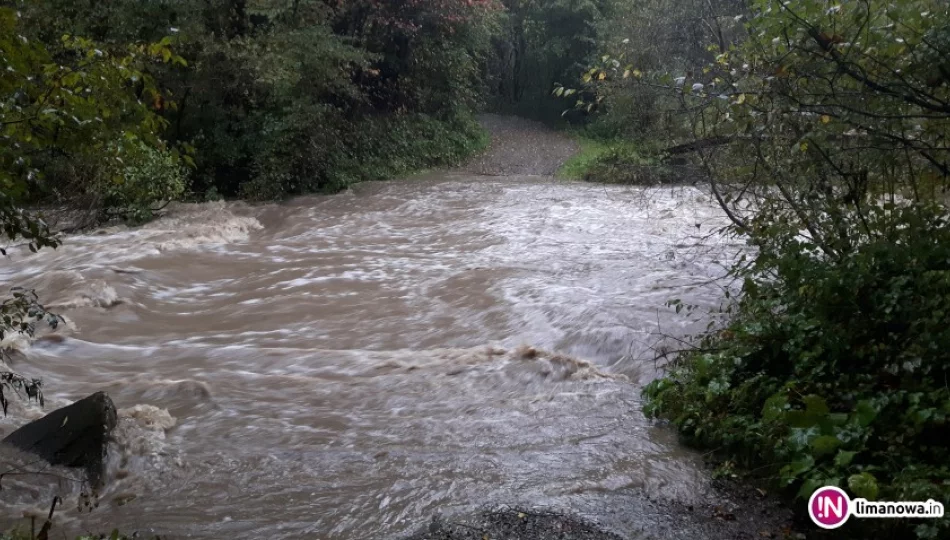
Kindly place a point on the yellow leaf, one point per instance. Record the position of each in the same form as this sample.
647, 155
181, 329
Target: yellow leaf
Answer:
626, 73
804, 146
521, 515
586, 77
825, 119
602, 76
741, 99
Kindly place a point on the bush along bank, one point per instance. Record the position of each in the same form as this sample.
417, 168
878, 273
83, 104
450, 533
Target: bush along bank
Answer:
831, 372
625, 162
122, 107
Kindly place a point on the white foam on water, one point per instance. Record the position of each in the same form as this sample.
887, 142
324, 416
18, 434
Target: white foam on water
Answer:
368, 348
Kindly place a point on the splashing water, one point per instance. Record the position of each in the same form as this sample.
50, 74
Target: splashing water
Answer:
345, 366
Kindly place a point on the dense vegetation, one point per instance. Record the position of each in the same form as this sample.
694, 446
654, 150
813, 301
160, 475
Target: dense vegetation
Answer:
823, 130
259, 99
541, 43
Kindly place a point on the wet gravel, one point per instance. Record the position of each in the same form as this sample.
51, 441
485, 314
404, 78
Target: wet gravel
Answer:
625, 515
521, 147
514, 524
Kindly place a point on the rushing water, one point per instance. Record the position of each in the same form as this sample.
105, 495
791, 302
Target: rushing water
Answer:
344, 367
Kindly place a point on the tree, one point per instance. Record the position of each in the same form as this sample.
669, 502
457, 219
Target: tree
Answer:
76, 117
824, 133
543, 42
79, 106
818, 113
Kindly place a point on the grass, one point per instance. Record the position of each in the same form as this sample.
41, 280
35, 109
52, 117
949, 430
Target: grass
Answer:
593, 154
577, 166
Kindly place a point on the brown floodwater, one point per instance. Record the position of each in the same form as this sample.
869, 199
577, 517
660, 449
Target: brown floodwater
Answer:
346, 366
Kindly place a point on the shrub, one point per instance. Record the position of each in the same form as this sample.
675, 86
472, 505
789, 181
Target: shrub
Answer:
149, 177
626, 164
542, 43
831, 371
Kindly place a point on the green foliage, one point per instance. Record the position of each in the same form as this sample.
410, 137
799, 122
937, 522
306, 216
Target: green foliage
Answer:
628, 164
376, 149
271, 109
616, 161
576, 167
540, 43
641, 38
20, 313
148, 178
831, 372
274, 94
65, 104
404, 144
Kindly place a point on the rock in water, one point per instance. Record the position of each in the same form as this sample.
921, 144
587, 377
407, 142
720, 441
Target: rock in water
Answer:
74, 436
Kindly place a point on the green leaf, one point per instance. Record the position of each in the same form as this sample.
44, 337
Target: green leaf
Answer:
774, 407
863, 485
799, 419
808, 487
844, 458
815, 405
825, 444
798, 467
865, 413
838, 419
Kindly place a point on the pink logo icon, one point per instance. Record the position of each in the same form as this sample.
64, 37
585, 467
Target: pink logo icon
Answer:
829, 507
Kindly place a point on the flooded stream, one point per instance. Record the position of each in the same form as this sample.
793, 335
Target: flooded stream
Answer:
344, 367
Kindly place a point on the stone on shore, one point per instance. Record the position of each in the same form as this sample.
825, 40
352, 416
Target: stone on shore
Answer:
74, 436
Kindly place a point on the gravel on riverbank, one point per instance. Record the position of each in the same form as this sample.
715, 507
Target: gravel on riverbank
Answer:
514, 524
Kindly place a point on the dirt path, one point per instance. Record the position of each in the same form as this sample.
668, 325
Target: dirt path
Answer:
521, 147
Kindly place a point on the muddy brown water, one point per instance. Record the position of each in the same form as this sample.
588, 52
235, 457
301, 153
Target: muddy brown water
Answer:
344, 367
